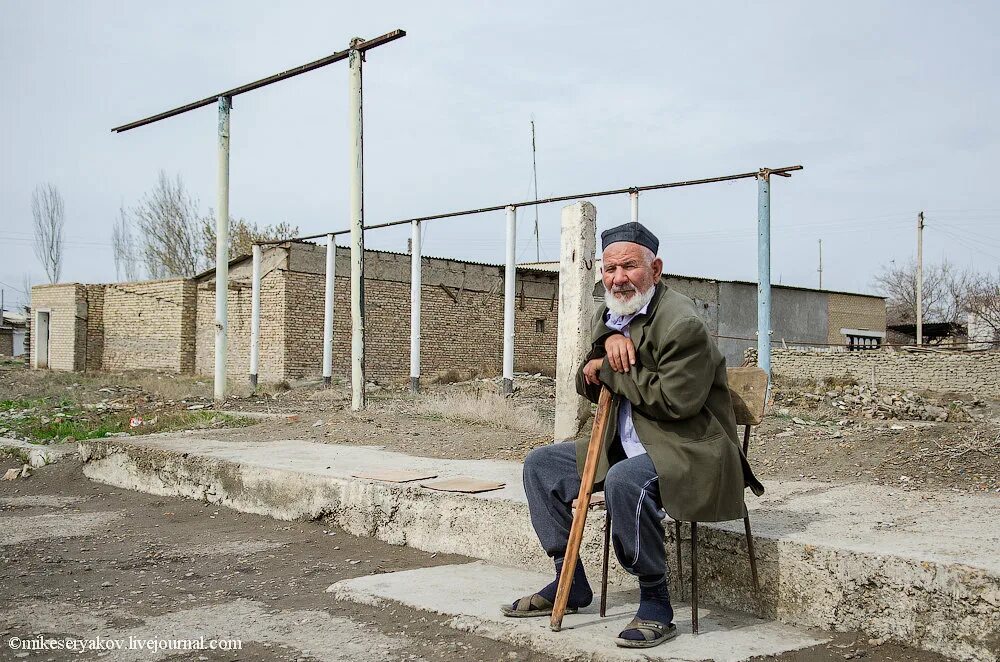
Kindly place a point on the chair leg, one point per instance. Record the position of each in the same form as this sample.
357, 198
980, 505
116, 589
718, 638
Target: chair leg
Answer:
604, 569
680, 568
694, 577
750, 551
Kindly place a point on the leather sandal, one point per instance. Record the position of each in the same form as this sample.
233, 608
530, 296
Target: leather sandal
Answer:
530, 606
653, 633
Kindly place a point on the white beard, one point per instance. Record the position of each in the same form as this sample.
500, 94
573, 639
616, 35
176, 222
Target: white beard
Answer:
631, 306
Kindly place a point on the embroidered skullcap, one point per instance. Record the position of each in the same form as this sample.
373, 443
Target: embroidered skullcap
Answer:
636, 233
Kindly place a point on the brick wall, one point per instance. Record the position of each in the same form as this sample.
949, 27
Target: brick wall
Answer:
272, 328
973, 373
6, 342
67, 307
95, 327
147, 325
847, 311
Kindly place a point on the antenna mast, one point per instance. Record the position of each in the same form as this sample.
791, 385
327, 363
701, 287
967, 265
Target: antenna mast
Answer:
534, 170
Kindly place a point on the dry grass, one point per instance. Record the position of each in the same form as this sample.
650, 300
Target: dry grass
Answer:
486, 409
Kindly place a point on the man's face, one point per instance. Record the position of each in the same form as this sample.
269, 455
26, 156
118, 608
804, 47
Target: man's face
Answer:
628, 269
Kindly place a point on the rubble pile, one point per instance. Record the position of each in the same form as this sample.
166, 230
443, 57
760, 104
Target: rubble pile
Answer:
863, 401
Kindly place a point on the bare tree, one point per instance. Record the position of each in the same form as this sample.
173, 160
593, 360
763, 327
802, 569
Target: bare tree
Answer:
243, 235
124, 247
26, 290
49, 214
944, 293
168, 228
984, 304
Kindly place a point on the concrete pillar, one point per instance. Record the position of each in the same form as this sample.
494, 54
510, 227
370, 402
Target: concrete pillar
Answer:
255, 315
510, 275
578, 244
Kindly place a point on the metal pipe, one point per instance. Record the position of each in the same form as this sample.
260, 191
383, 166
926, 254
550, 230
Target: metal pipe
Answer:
562, 198
415, 283
920, 279
633, 198
764, 270
255, 316
357, 218
510, 274
257, 84
331, 270
222, 251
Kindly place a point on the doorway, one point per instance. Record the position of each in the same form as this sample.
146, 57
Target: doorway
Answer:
42, 339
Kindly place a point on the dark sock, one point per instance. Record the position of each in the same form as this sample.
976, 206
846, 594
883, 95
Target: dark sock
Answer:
654, 603
580, 594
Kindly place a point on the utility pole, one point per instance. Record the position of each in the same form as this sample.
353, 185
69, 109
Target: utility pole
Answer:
222, 252
820, 270
534, 170
357, 217
920, 279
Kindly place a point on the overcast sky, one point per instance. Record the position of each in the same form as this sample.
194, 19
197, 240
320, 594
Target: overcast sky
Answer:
891, 107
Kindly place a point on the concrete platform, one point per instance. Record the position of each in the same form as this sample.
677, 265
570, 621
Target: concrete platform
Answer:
921, 568
472, 593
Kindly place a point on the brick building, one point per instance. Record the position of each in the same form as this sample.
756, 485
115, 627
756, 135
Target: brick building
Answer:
170, 324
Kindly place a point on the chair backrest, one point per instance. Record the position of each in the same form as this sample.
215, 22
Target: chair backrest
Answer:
748, 388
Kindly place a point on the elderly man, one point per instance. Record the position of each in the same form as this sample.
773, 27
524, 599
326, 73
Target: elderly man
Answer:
671, 442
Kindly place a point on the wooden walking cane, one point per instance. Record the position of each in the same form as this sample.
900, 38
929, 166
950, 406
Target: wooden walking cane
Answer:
582, 506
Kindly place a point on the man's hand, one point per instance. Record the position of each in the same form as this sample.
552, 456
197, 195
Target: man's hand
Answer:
621, 352
590, 371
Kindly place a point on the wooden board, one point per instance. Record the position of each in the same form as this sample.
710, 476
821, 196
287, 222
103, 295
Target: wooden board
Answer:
464, 484
396, 475
748, 388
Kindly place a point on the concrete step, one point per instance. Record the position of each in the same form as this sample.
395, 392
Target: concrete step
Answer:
471, 594
920, 568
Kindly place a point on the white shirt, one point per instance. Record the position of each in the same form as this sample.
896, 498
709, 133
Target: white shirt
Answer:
626, 429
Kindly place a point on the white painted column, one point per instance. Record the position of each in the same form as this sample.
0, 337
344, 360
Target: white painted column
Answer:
510, 275
331, 270
633, 198
357, 218
255, 316
415, 281
578, 243
222, 251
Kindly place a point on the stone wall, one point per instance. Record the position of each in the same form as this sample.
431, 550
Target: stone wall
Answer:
67, 308
971, 373
146, 325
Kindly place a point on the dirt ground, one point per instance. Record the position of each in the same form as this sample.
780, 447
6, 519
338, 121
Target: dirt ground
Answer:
80, 559
799, 439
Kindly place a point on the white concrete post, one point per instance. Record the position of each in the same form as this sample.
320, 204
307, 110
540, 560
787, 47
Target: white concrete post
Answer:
510, 274
415, 281
357, 217
255, 316
633, 198
331, 270
222, 251
578, 243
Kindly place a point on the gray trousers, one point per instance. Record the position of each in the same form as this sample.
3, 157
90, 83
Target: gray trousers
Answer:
631, 494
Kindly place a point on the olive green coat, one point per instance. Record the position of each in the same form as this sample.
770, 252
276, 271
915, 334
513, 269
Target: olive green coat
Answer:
681, 409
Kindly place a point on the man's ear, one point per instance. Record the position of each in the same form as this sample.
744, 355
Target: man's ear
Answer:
657, 269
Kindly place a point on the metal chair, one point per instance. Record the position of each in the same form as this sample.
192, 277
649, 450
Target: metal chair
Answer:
748, 388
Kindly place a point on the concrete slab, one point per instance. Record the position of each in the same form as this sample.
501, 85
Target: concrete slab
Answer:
472, 594
921, 568
36, 455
